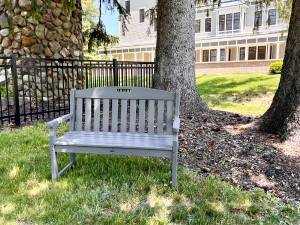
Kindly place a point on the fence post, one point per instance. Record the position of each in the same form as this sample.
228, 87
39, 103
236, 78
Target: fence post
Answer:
16, 90
115, 72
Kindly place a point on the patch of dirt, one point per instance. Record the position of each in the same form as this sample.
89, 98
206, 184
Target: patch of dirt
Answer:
231, 146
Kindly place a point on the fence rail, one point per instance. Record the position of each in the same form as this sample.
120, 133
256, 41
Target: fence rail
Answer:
36, 88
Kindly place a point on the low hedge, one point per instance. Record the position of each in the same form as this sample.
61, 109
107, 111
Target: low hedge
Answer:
276, 67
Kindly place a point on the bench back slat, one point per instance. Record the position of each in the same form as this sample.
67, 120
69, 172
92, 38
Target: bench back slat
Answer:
151, 116
87, 113
78, 116
142, 116
124, 109
72, 109
160, 116
105, 122
169, 118
132, 126
124, 115
97, 115
115, 114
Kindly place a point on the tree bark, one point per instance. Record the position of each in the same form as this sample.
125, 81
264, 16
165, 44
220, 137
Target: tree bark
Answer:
283, 117
175, 52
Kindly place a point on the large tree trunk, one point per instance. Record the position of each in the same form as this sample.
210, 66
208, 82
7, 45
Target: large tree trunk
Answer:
175, 52
283, 117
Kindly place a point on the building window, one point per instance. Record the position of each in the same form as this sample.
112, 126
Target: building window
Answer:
272, 17
236, 21
222, 54
242, 53
197, 26
205, 57
222, 23
213, 55
252, 53
127, 6
228, 21
261, 53
208, 25
258, 19
142, 15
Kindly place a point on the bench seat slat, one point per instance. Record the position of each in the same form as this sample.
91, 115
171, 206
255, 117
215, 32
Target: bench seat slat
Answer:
116, 140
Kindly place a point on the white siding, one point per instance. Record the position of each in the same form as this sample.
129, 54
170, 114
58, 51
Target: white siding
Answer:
143, 34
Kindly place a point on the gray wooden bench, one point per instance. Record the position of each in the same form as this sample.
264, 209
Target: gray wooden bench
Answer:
118, 121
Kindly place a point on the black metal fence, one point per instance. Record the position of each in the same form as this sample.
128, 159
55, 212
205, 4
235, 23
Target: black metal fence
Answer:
35, 88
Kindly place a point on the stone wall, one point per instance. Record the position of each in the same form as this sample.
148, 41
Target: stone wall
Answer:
54, 34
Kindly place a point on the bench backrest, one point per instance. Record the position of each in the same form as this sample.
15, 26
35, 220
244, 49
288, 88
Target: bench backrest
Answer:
123, 109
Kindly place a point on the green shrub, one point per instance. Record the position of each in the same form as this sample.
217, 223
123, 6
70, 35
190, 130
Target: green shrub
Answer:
276, 67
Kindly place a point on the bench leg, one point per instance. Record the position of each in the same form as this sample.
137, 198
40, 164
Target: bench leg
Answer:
174, 165
54, 165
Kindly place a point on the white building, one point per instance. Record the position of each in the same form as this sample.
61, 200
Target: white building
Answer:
233, 36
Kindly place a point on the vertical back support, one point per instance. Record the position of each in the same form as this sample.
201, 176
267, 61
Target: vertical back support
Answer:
72, 109
141, 116
96, 115
132, 126
124, 116
78, 119
151, 114
88, 112
105, 115
160, 116
169, 119
115, 115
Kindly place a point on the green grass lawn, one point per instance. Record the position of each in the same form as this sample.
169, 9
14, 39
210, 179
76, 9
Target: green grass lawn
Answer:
248, 94
118, 190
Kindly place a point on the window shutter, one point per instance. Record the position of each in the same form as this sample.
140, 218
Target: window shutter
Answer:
142, 15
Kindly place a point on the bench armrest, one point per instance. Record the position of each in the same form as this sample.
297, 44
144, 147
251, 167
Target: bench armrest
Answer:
54, 123
176, 125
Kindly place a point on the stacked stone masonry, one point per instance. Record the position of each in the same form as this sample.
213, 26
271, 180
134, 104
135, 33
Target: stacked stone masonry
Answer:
54, 33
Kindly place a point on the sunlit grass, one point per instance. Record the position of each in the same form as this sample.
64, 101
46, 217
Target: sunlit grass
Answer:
248, 94
118, 190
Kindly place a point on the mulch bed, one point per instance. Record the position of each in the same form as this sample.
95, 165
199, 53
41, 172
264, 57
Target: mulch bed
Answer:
231, 146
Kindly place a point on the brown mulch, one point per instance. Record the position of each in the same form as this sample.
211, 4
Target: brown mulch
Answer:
231, 146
